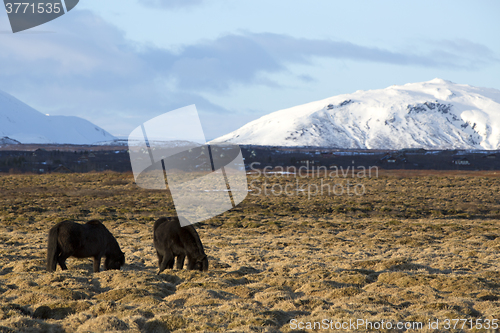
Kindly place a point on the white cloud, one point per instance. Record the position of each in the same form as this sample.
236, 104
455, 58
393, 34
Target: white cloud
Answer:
89, 68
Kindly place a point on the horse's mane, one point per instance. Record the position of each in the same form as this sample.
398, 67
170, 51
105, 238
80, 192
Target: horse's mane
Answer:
195, 235
158, 222
110, 236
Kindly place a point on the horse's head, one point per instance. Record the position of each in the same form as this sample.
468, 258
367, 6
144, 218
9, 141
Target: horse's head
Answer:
202, 265
114, 261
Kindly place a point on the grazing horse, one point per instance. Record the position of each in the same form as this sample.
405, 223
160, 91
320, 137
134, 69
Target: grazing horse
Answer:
71, 239
171, 240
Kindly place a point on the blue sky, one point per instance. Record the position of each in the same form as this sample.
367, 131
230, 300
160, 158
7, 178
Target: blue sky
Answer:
119, 63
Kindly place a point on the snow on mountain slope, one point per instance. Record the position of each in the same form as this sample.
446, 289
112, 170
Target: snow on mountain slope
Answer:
8, 141
21, 122
436, 114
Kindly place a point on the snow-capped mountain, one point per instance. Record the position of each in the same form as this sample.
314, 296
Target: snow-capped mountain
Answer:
22, 123
8, 141
436, 114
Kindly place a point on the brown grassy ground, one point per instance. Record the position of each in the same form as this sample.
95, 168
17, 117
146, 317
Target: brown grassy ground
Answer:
415, 247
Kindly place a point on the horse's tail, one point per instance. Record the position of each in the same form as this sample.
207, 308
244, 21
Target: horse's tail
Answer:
52, 249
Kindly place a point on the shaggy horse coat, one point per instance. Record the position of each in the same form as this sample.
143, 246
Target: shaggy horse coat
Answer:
171, 240
70, 239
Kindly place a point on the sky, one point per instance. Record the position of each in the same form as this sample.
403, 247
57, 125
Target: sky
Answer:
120, 63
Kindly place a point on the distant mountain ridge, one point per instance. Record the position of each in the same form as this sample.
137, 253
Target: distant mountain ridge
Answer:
436, 114
20, 122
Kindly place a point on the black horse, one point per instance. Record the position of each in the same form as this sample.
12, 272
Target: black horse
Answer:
171, 240
92, 239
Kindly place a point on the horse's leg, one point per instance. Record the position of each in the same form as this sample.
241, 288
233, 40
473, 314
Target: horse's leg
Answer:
170, 263
160, 259
167, 262
180, 261
61, 260
97, 263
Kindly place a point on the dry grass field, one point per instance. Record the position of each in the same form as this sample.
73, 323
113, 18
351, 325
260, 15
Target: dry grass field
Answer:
416, 247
